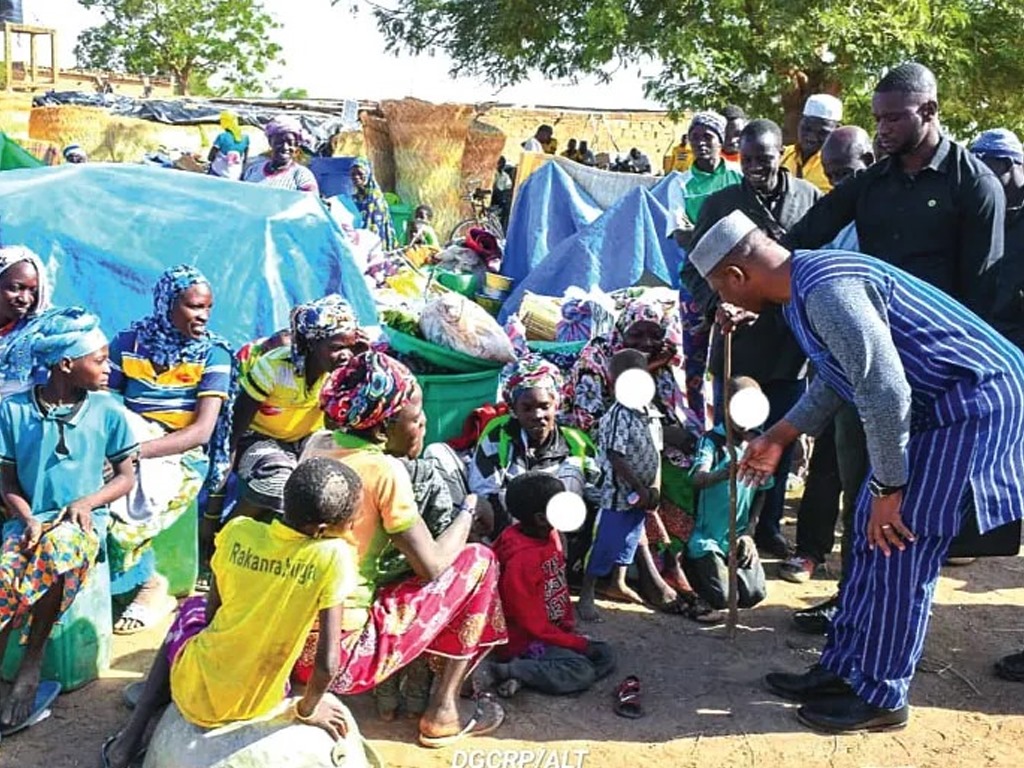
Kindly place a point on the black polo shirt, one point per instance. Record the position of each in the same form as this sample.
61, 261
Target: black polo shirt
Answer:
1008, 315
944, 224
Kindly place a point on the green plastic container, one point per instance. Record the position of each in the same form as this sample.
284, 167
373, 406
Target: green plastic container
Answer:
466, 284
401, 215
177, 552
564, 347
450, 359
448, 400
78, 649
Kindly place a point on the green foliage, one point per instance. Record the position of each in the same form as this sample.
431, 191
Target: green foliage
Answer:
764, 55
194, 40
293, 94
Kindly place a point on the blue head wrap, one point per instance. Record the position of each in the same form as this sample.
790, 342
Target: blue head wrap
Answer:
50, 337
999, 142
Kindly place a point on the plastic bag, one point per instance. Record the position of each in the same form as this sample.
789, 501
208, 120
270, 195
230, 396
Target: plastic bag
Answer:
455, 322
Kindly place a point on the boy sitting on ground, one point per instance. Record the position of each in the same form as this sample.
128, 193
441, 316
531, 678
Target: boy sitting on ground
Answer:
708, 549
630, 443
228, 655
543, 652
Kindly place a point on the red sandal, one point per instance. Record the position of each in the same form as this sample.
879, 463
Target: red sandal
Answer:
627, 698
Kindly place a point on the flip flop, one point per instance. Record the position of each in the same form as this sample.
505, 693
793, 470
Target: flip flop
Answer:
105, 758
46, 693
627, 699
146, 615
480, 724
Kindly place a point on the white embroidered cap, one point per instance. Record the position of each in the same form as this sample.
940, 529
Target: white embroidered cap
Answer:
718, 241
825, 106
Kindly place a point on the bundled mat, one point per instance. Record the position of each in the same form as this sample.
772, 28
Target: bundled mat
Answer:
455, 322
540, 316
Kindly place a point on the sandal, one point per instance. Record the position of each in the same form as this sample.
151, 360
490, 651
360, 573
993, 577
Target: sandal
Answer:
138, 618
698, 609
627, 699
1011, 667
487, 718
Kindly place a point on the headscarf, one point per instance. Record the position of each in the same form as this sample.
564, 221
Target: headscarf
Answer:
322, 319
529, 372
285, 124
640, 310
70, 332
374, 207
229, 122
999, 142
713, 121
73, 150
167, 346
366, 392
16, 254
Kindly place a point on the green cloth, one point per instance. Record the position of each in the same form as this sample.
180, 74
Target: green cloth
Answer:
711, 533
13, 155
698, 185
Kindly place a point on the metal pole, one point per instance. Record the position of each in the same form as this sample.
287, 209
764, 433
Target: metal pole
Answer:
733, 619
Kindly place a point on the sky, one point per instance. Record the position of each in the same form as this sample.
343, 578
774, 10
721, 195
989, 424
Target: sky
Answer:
333, 54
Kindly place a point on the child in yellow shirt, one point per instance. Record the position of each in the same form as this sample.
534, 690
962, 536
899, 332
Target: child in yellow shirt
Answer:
228, 655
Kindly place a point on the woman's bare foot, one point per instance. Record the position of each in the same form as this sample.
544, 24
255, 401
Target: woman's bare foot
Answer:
623, 593
442, 725
17, 707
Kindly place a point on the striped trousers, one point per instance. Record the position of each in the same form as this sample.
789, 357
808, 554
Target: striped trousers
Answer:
878, 634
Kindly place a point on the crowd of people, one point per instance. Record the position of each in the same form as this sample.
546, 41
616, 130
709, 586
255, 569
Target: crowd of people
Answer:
579, 151
347, 556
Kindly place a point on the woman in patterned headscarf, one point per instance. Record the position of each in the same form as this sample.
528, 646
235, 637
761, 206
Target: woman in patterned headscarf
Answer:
24, 294
372, 206
280, 170
529, 438
450, 607
175, 376
652, 327
278, 406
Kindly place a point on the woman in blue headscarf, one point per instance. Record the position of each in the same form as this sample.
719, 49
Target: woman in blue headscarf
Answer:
371, 204
176, 380
24, 294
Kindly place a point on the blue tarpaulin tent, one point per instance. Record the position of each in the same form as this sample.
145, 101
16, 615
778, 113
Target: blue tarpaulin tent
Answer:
106, 233
613, 252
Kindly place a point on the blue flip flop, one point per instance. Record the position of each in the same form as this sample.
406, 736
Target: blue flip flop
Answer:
47, 692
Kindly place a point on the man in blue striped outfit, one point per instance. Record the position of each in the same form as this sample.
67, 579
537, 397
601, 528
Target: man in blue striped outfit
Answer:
941, 396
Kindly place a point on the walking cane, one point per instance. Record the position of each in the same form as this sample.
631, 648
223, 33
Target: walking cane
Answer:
730, 444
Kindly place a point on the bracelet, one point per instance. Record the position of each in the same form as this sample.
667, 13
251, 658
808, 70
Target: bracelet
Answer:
303, 718
208, 516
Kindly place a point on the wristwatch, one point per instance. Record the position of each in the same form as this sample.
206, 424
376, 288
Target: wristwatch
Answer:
879, 490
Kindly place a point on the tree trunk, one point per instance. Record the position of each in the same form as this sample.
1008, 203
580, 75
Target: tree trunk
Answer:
181, 80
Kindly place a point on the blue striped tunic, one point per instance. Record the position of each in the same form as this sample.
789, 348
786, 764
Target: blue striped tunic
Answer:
967, 392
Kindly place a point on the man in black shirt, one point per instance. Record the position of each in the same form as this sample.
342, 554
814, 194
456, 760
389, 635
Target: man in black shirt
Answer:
930, 207
1001, 151
764, 350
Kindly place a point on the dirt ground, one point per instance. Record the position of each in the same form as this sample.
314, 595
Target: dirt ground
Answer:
702, 692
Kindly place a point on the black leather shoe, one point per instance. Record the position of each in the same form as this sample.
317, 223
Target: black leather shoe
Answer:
850, 714
773, 545
817, 619
815, 683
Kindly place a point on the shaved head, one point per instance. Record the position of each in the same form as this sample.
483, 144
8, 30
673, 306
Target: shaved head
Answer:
909, 78
847, 151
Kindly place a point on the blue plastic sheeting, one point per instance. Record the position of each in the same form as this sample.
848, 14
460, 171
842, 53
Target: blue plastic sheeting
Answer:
612, 253
106, 233
660, 190
549, 208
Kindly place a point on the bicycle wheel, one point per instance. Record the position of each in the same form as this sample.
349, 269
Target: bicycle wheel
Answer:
460, 230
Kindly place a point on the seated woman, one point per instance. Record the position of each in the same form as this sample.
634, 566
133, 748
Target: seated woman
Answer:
529, 438
652, 327
175, 377
450, 608
372, 206
227, 656
280, 169
278, 405
24, 294
55, 441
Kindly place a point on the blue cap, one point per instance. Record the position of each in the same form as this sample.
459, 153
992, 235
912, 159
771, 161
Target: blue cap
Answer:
999, 142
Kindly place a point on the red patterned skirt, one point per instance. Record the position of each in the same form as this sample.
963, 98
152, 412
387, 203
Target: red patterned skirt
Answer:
457, 615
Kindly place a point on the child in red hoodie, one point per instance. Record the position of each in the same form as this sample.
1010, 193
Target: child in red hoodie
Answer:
543, 652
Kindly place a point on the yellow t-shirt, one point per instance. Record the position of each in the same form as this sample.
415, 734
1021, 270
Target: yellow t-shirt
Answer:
680, 158
810, 170
387, 507
272, 581
288, 410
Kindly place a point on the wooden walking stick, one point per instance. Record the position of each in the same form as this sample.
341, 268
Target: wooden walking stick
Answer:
730, 444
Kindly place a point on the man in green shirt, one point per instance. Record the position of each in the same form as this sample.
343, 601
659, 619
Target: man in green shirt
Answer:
708, 174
